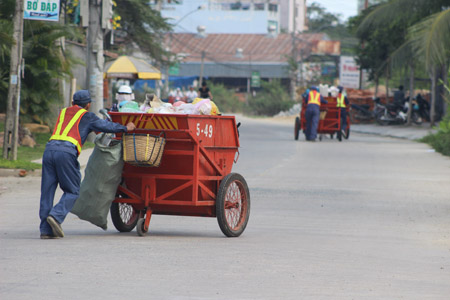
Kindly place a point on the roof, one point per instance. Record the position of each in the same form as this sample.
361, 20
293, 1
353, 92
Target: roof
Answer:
259, 48
131, 67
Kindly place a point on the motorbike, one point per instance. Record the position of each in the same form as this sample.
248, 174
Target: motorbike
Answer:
363, 113
424, 107
394, 114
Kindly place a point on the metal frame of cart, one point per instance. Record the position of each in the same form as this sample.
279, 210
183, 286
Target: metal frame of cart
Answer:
193, 179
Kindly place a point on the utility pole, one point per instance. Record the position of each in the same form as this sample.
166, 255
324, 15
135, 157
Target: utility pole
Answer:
201, 69
294, 54
11, 137
95, 60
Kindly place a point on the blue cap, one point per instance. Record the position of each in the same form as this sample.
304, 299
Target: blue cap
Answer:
82, 97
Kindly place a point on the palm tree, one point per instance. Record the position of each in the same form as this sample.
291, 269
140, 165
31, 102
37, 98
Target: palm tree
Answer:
428, 38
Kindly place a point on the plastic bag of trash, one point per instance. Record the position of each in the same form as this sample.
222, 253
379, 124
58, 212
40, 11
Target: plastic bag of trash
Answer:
102, 177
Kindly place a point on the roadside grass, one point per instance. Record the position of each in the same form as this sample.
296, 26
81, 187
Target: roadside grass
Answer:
25, 155
439, 141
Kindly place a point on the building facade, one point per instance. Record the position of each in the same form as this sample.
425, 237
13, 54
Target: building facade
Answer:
235, 17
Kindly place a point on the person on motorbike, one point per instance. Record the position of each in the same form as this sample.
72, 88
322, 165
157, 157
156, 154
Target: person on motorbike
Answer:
399, 99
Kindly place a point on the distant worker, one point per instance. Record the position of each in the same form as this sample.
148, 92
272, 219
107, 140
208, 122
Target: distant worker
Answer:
60, 164
313, 101
178, 95
204, 91
124, 95
342, 103
191, 94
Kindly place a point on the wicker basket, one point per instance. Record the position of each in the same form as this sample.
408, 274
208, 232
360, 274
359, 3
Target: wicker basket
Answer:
143, 150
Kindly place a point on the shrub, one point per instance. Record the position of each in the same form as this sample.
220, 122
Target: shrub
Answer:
224, 98
271, 100
441, 140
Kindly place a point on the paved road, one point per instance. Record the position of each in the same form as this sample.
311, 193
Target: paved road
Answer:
367, 218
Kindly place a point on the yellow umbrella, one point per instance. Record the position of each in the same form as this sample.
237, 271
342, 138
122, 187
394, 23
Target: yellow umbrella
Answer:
131, 67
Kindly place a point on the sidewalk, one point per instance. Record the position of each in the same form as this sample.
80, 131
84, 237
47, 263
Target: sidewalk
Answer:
413, 132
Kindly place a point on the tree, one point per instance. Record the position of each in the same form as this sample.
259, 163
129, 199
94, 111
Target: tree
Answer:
428, 34
43, 63
144, 26
320, 20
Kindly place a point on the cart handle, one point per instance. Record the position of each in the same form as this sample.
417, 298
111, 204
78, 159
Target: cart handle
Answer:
236, 158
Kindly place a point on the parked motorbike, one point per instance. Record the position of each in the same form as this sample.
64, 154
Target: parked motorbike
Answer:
390, 114
424, 107
363, 113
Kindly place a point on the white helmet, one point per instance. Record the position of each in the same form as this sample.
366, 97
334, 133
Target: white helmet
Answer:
124, 94
125, 89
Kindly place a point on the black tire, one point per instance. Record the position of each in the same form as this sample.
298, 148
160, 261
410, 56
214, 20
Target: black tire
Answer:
331, 135
123, 216
233, 205
140, 227
297, 128
347, 133
380, 120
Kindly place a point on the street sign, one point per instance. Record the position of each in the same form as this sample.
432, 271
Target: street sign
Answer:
256, 79
44, 10
174, 70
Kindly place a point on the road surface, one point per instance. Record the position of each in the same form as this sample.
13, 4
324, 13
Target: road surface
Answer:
366, 218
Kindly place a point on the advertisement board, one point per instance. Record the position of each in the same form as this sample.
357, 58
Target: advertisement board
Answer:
44, 10
349, 74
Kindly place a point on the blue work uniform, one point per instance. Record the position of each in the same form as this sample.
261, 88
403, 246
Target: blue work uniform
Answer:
312, 114
342, 102
60, 166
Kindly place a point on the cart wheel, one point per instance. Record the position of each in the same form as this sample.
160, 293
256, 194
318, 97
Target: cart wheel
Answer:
233, 205
140, 227
297, 128
124, 216
339, 135
331, 135
320, 137
347, 133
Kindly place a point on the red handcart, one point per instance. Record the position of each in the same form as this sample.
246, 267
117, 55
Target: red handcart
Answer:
193, 179
329, 123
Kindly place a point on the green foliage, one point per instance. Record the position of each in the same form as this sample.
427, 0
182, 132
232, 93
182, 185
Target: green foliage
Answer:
225, 99
377, 41
143, 25
19, 164
320, 20
45, 62
271, 100
25, 155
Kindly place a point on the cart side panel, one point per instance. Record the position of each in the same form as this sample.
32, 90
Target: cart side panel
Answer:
212, 141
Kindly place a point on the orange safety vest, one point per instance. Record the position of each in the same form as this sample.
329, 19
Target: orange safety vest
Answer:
66, 129
314, 98
340, 101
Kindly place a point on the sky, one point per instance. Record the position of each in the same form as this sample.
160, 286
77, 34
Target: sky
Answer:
347, 8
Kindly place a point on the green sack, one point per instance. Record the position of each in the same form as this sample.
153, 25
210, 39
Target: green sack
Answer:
102, 177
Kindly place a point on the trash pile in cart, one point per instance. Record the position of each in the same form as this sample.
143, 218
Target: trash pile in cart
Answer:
153, 105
